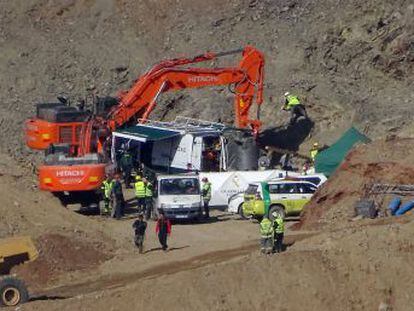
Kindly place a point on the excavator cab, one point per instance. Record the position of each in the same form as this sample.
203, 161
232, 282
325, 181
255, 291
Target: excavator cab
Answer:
55, 123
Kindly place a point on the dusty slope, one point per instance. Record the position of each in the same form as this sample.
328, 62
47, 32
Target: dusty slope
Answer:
383, 161
352, 61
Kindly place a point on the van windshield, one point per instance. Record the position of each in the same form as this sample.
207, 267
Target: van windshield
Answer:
179, 186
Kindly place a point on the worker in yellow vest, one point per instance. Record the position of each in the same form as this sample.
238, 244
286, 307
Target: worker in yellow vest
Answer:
279, 231
314, 151
106, 187
140, 193
292, 104
148, 198
266, 235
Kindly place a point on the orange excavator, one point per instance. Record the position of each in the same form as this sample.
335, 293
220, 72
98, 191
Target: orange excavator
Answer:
76, 140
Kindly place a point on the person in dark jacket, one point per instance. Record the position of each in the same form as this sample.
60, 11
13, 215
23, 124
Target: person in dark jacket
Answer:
140, 226
126, 165
118, 196
163, 230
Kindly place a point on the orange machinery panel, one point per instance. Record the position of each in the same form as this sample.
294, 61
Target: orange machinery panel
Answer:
82, 177
40, 133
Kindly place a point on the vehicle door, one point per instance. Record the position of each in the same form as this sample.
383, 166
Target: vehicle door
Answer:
305, 193
250, 199
196, 153
286, 197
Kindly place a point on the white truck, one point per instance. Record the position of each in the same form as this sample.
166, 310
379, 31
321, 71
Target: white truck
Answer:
178, 196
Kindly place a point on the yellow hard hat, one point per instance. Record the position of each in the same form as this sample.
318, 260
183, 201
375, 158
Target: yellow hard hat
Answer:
138, 177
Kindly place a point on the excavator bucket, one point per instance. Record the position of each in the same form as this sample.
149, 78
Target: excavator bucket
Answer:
15, 251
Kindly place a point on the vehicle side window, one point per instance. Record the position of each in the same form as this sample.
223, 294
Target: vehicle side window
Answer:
275, 188
252, 189
313, 180
287, 188
309, 188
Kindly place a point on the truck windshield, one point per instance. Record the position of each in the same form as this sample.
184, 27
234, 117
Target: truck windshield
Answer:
180, 186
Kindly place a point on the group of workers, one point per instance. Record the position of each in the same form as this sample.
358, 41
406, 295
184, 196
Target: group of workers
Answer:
272, 233
113, 197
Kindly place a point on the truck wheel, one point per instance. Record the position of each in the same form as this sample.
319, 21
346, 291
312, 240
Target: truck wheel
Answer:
279, 209
242, 215
12, 292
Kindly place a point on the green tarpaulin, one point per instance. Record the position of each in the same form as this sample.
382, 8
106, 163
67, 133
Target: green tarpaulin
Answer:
329, 159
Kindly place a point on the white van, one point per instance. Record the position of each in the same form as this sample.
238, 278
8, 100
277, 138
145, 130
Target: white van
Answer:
178, 196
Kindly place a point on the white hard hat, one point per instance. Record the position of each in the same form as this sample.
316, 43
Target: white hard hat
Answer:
287, 93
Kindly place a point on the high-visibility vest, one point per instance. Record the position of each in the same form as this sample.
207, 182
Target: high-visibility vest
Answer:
148, 190
279, 225
313, 154
292, 101
107, 188
140, 189
206, 190
266, 228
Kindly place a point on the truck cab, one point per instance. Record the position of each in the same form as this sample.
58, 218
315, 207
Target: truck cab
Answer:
178, 196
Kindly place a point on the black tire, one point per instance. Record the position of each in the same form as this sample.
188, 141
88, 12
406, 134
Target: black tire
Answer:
278, 209
241, 212
12, 292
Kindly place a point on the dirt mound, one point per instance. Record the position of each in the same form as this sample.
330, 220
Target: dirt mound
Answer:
384, 161
58, 255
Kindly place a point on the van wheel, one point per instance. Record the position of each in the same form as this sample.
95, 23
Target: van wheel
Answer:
12, 292
279, 209
241, 212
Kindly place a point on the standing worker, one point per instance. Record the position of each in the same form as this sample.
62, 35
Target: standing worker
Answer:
126, 164
140, 193
140, 226
314, 152
163, 230
279, 231
266, 233
118, 195
148, 198
292, 104
206, 193
107, 186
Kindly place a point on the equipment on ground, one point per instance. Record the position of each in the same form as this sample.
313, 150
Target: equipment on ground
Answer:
14, 251
79, 164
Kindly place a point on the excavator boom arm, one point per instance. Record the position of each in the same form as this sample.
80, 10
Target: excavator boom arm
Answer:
247, 77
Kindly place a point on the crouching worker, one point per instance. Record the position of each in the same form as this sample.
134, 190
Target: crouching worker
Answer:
279, 230
266, 232
139, 226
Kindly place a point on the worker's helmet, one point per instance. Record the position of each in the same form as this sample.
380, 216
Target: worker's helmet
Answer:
138, 177
287, 94
315, 144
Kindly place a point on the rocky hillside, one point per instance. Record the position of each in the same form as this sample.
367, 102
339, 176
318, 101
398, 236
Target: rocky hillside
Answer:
351, 61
